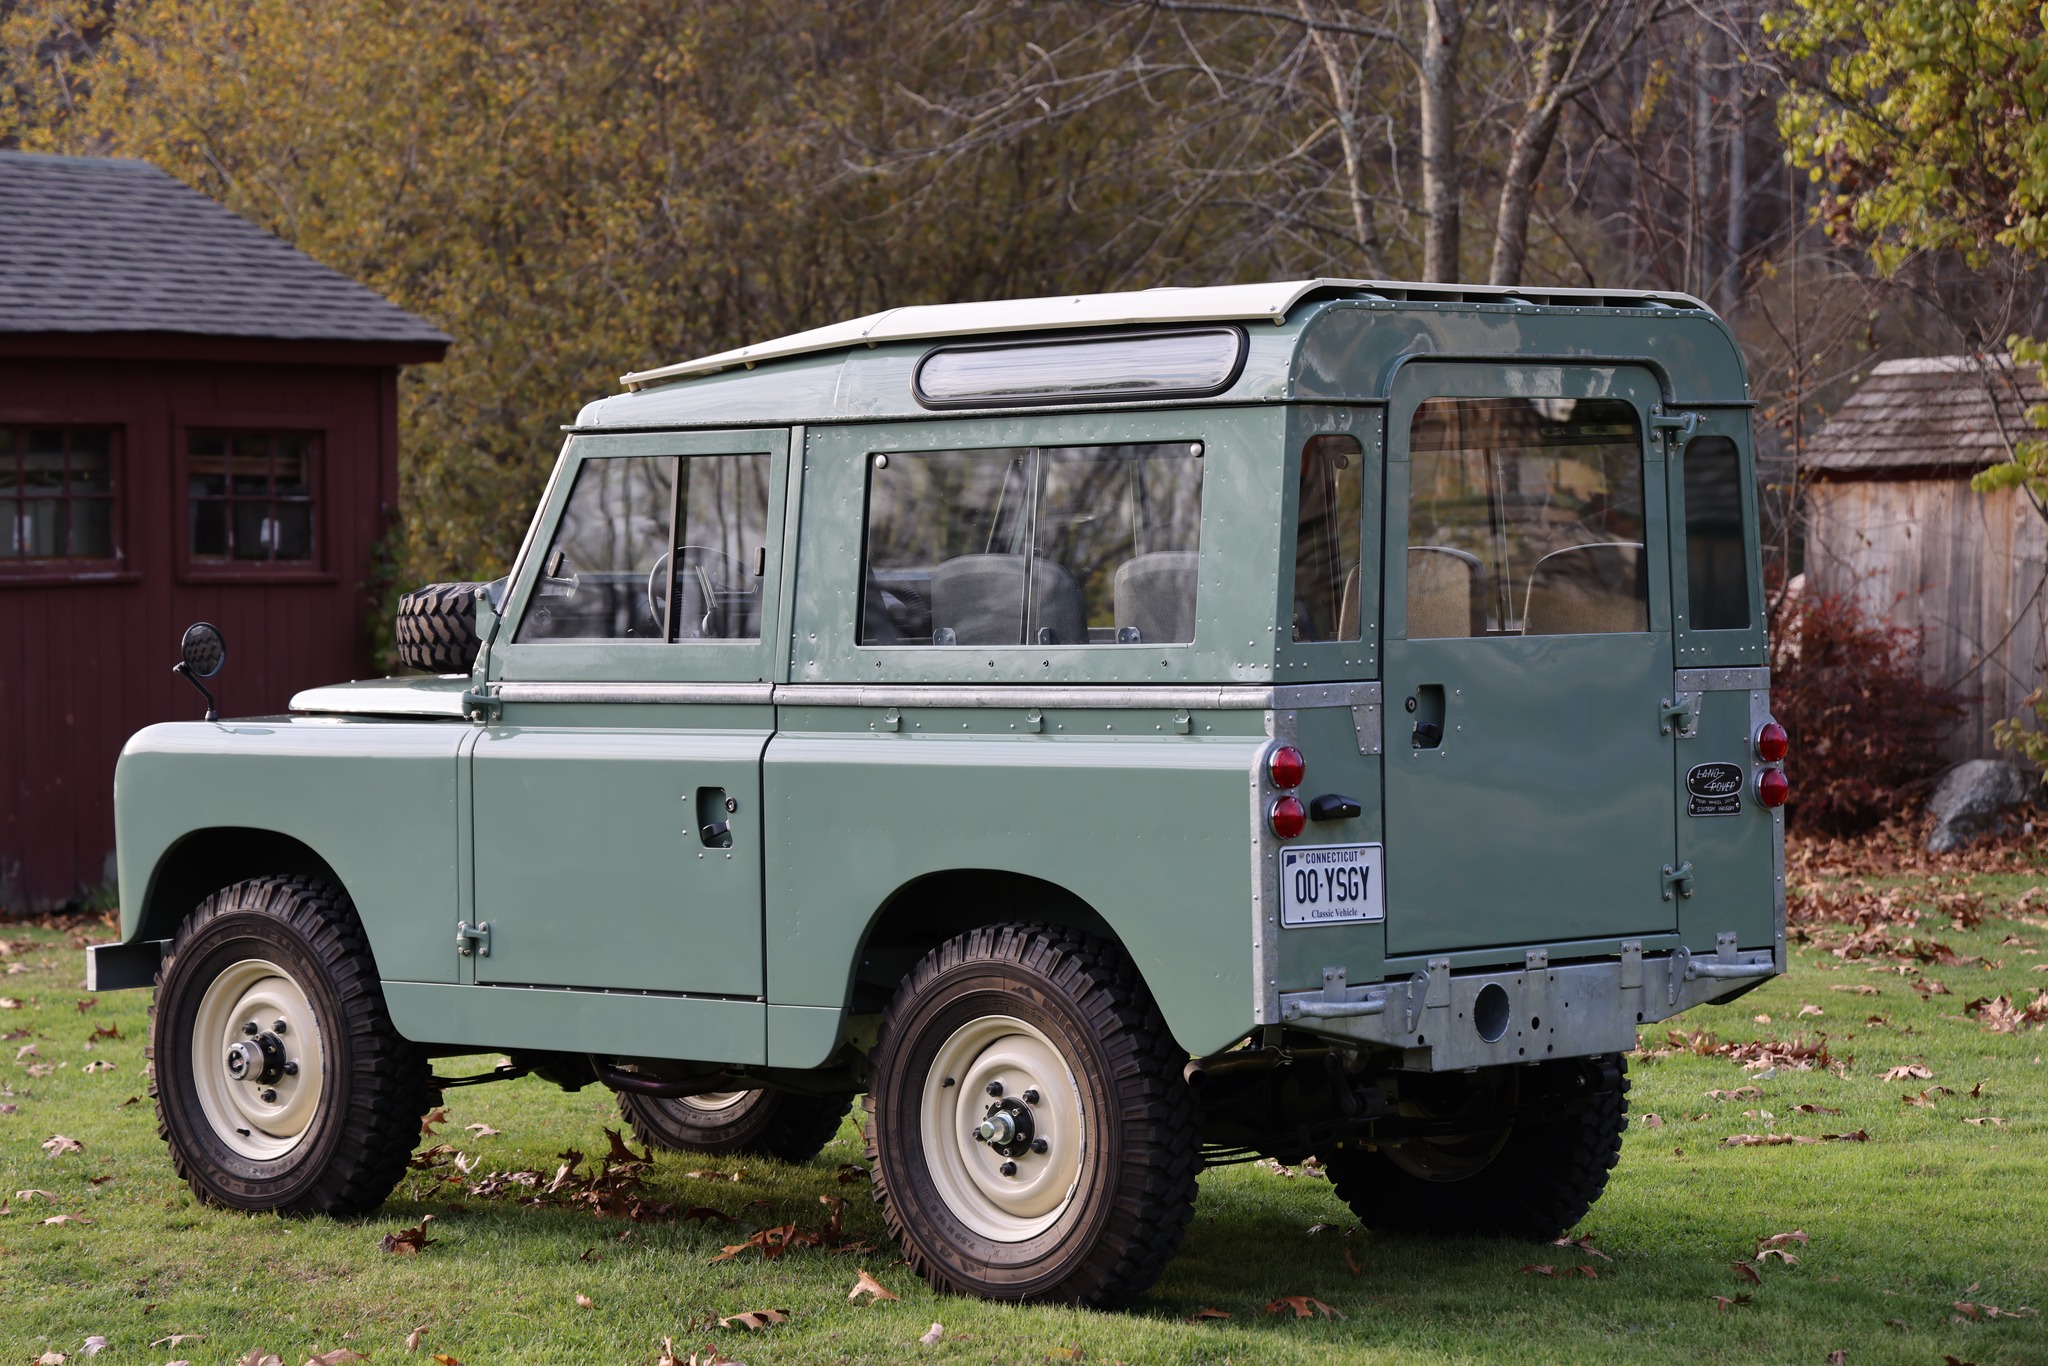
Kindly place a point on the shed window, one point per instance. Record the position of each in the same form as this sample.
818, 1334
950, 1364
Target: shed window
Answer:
249, 498
56, 494
1063, 545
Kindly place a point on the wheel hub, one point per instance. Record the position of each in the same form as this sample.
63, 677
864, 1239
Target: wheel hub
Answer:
257, 1061
1003, 1128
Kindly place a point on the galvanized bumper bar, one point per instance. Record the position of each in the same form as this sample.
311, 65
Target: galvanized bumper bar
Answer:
1444, 1021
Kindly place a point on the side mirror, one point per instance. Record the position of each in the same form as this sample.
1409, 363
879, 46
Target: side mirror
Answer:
204, 653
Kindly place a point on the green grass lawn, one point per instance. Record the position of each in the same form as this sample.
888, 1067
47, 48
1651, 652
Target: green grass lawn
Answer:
1931, 1210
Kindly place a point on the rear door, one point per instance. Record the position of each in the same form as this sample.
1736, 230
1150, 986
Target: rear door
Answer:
1529, 766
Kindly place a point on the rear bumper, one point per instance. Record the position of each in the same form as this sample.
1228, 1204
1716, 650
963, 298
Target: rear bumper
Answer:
1443, 1021
115, 967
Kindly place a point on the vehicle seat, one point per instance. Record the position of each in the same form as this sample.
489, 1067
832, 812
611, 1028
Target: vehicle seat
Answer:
980, 599
1587, 590
1446, 593
1155, 594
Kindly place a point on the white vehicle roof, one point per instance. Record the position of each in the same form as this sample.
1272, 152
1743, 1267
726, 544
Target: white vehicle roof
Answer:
1214, 303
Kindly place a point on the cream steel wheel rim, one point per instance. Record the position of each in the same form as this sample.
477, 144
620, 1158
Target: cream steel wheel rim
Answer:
714, 1100
1039, 1103
260, 1091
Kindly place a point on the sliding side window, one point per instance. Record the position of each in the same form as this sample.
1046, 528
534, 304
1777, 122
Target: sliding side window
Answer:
1070, 545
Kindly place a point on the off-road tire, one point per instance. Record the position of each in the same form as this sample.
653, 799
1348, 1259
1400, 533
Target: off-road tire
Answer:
1545, 1177
437, 628
777, 1124
374, 1084
1135, 1188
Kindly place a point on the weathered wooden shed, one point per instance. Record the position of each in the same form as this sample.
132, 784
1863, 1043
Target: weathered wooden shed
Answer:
1893, 521
196, 422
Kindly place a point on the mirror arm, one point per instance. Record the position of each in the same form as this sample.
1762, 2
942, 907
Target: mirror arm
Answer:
185, 672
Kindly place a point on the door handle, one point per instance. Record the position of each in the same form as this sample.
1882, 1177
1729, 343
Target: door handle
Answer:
1426, 705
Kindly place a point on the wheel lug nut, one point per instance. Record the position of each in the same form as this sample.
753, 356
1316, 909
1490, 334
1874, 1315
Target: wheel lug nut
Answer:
291, 1069
995, 1088
1039, 1145
249, 1028
269, 1096
1009, 1169
277, 1027
1031, 1096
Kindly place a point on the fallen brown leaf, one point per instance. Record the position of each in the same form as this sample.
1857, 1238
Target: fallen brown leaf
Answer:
67, 1219
57, 1144
1810, 1009
872, 1288
1653, 1121
1838, 1357
1797, 1235
1809, 1109
1203, 1315
1739, 1093
443, 1359
1981, 1120
931, 1336
1351, 1263
340, 1356
1747, 1272
484, 1130
583, 1302
706, 1212
1535, 1269
1304, 1307
754, 1320
258, 1357
1911, 1071
1584, 1245
177, 1340
1732, 1301
408, 1242
415, 1338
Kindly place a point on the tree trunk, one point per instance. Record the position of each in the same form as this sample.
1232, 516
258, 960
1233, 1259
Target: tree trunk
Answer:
1529, 151
1437, 77
1364, 228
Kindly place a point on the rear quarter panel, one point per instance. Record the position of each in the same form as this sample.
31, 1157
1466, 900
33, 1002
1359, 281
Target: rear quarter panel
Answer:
1151, 830
376, 800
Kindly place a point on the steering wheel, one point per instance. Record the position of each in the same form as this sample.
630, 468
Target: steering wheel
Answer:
715, 571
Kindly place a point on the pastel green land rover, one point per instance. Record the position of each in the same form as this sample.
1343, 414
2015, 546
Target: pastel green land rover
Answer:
1111, 734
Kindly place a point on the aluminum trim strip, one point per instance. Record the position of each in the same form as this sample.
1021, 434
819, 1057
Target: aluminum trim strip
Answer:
759, 694
1745, 679
1110, 697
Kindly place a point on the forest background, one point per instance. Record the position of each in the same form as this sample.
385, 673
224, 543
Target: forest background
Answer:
573, 191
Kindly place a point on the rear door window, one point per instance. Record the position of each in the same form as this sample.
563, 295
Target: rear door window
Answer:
1062, 545
1716, 559
1525, 517
1329, 521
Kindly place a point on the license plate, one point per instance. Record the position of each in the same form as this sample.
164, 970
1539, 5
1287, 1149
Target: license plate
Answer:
1331, 884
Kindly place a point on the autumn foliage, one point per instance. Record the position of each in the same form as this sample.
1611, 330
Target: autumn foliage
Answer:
1866, 727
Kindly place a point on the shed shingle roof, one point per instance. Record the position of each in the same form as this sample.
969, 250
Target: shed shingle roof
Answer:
98, 244
1929, 412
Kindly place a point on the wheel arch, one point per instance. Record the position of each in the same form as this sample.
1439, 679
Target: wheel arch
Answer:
206, 860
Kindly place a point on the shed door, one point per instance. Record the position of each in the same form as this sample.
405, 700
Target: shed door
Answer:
1529, 775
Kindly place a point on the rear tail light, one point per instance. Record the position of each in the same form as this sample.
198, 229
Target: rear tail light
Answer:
1772, 788
1288, 817
1772, 744
1286, 767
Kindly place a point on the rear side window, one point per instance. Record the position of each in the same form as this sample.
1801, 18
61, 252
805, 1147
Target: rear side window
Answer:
1328, 580
1052, 545
1716, 560
630, 542
1525, 517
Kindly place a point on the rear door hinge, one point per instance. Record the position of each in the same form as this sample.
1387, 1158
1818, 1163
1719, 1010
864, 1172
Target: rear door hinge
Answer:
1680, 426
473, 939
1682, 715
1677, 880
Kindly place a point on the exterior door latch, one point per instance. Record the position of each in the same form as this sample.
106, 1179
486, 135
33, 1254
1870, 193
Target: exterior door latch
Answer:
1677, 880
1682, 715
473, 939
1680, 426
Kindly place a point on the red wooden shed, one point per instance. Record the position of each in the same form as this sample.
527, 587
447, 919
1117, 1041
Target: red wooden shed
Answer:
197, 422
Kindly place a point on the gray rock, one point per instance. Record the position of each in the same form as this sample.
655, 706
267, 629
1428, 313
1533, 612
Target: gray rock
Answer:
1971, 799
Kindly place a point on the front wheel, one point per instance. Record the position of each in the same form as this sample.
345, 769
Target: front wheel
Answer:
778, 1124
1517, 1152
280, 1083
1031, 1133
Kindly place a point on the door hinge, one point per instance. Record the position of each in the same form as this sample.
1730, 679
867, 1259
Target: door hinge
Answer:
481, 706
473, 939
1683, 715
1677, 880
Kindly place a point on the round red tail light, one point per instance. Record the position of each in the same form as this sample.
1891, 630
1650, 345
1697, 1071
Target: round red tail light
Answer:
1773, 787
1289, 817
1772, 744
1286, 767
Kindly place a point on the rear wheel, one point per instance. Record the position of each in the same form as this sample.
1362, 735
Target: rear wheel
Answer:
1533, 1177
280, 1083
776, 1124
1031, 1133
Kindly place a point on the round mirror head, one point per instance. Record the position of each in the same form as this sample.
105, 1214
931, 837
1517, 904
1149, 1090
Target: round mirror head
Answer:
204, 650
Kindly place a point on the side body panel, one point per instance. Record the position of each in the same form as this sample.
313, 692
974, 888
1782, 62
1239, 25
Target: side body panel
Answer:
375, 799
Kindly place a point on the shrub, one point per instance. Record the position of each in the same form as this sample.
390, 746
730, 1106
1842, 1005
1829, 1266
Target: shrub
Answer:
1866, 727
